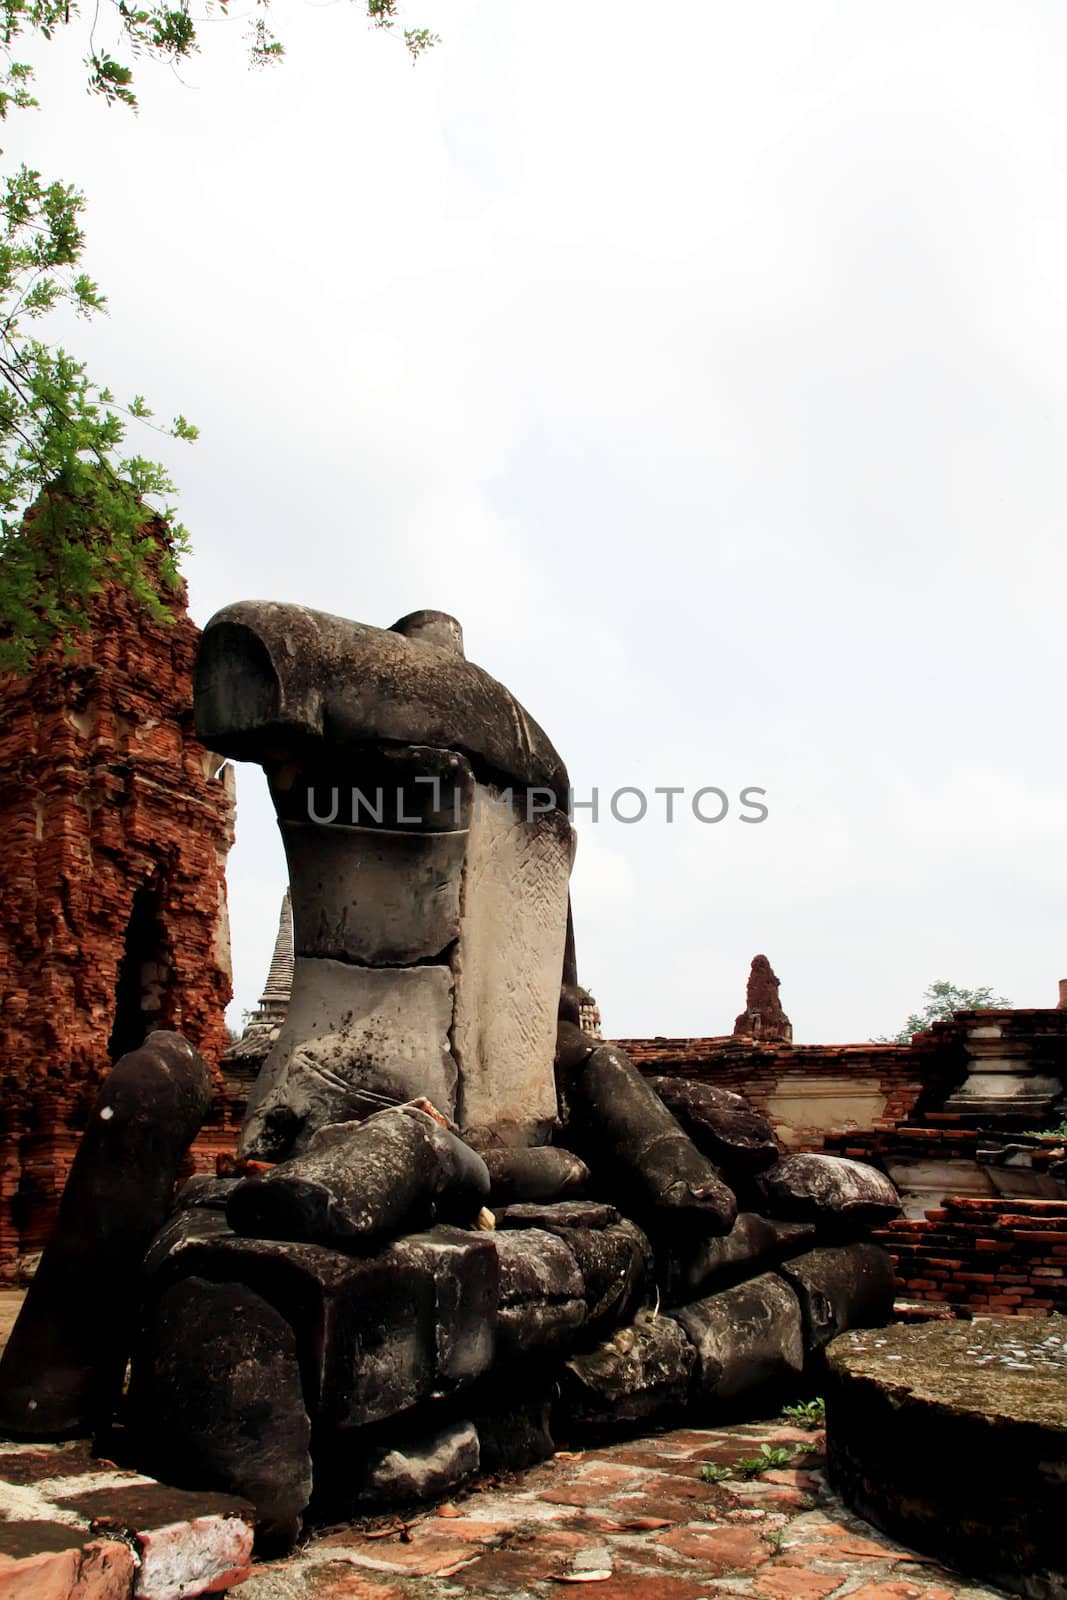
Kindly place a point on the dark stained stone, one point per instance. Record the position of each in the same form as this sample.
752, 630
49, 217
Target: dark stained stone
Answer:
375, 1334
271, 675
616, 1268
217, 1401
192, 1226
636, 1150
62, 1371
748, 1341
359, 1184
690, 1267
841, 1287
203, 1192
538, 1325
535, 1265
817, 1188
534, 1173
542, 1295
572, 1045
565, 1214
731, 1135
425, 1468
641, 1372
511, 1408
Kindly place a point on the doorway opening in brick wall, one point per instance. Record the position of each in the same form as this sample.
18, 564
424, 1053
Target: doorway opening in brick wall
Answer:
144, 972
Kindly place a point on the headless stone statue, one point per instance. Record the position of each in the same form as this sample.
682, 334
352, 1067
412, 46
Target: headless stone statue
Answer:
429, 849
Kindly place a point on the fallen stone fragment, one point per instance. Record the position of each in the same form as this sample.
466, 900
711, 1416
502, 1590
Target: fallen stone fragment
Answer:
748, 1342
422, 1469
556, 1218
359, 1184
822, 1189
643, 1371
720, 1124
62, 1370
204, 1193
534, 1173
217, 1401
690, 1267
848, 1286
636, 1149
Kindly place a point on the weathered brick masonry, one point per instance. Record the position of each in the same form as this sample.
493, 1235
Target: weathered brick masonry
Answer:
993, 1256
824, 1088
114, 830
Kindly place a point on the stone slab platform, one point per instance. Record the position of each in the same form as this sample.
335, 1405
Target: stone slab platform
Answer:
74, 1527
636, 1522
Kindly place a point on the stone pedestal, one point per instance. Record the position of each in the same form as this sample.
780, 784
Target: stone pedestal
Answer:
1006, 1080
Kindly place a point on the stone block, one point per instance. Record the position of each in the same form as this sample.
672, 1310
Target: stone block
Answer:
616, 1268
556, 1216
204, 1192
842, 1287
376, 846
748, 1341
352, 1037
507, 964
542, 1294
375, 1334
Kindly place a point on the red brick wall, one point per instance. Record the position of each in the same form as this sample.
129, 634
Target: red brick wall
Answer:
103, 789
993, 1256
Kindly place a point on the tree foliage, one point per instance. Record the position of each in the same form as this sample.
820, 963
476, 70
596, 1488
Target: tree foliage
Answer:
942, 999
63, 449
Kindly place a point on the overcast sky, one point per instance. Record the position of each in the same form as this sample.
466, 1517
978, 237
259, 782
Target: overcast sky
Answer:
711, 370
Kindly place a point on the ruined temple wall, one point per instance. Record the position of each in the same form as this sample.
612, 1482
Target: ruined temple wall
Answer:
810, 1092
983, 1256
104, 792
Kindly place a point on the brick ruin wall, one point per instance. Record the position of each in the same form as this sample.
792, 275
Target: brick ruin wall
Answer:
991, 1257
115, 825
810, 1091
884, 1104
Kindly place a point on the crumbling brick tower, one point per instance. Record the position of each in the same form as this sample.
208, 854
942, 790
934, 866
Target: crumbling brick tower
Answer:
115, 825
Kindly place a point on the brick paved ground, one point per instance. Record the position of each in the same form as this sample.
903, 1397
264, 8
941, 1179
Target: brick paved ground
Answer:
637, 1522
